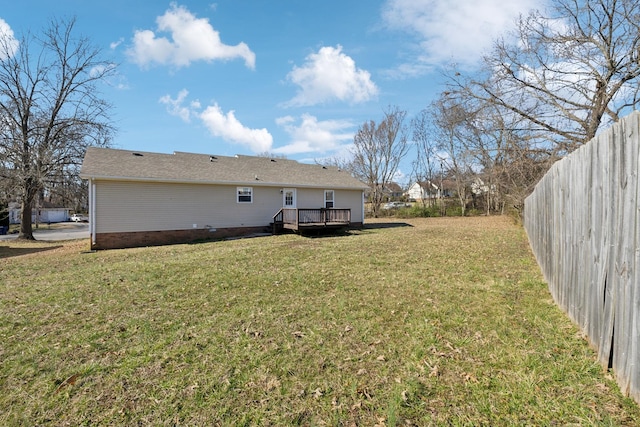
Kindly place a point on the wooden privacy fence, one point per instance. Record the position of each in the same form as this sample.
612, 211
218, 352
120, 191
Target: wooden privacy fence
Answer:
583, 223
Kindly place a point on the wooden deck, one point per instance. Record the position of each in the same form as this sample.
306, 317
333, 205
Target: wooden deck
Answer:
301, 220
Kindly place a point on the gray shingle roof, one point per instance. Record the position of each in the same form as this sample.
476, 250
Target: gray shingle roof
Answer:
125, 165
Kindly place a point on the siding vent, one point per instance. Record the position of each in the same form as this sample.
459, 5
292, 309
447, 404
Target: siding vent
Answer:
137, 154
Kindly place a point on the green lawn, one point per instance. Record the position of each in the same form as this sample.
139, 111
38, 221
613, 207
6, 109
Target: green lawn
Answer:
435, 321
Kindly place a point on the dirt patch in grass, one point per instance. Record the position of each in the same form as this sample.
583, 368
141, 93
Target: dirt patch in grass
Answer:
435, 321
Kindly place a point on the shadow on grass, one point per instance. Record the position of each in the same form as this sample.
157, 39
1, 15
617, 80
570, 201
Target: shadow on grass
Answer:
8, 251
375, 225
329, 232
352, 231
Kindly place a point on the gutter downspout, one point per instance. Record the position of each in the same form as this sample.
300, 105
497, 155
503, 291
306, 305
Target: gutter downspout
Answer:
92, 211
362, 207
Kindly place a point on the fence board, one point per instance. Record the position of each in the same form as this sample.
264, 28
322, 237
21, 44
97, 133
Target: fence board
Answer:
583, 223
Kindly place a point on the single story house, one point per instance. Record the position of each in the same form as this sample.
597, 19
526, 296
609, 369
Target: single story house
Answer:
142, 198
43, 214
423, 190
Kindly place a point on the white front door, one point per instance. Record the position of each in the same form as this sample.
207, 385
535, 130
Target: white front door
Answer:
289, 198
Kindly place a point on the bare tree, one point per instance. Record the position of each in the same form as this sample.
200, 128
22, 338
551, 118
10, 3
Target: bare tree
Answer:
426, 155
454, 130
342, 163
50, 110
487, 132
568, 73
520, 168
67, 189
378, 150
490, 149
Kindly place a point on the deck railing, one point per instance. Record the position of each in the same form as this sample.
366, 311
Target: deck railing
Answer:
296, 218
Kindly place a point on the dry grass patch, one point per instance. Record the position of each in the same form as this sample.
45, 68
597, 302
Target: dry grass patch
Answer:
415, 322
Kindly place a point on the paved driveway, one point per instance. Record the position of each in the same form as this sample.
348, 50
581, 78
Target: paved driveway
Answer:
60, 231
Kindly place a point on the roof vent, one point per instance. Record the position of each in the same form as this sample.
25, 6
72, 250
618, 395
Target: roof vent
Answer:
212, 158
257, 179
324, 167
137, 154
273, 160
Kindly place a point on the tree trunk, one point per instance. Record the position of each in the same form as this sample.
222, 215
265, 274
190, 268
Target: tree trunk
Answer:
26, 228
462, 197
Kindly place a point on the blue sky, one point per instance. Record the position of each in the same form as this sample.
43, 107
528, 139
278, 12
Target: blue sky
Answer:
291, 77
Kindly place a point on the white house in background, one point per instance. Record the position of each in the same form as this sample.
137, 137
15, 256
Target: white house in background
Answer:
423, 190
142, 198
478, 187
42, 214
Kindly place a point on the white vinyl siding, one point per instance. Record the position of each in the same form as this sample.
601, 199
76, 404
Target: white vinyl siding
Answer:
122, 206
138, 206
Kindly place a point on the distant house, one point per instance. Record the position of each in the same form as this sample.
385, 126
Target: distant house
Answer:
47, 213
142, 198
423, 190
392, 191
479, 188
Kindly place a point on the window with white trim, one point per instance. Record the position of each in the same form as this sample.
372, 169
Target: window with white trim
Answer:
245, 194
328, 199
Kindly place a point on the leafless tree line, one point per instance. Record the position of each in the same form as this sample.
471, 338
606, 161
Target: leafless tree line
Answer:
545, 89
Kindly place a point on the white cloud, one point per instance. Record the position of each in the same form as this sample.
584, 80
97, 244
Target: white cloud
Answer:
8, 43
459, 31
219, 124
229, 128
192, 39
313, 136
175, 107
330, 75
114, 45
